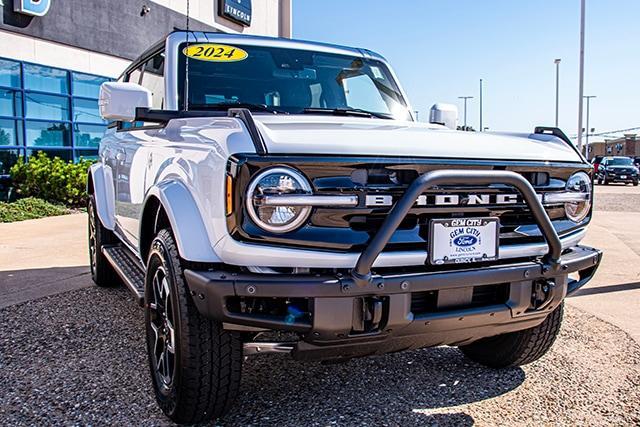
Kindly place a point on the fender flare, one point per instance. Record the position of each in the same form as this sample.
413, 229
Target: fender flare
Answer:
186, 222
100, 184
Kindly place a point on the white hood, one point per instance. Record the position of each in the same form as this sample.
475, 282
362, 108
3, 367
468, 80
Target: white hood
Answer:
302, 134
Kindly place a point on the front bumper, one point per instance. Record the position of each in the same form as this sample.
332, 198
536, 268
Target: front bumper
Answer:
619, 178
338, 305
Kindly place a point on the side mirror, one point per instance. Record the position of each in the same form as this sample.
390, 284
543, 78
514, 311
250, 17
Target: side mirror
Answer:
118, 101
444, 114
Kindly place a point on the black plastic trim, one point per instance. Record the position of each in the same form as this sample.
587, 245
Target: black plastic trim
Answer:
246, 117
212, 288
242, 114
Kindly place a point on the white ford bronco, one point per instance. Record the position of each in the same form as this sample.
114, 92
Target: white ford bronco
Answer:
267, 195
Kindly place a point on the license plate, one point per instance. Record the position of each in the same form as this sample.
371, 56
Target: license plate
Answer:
463, 240
623, 176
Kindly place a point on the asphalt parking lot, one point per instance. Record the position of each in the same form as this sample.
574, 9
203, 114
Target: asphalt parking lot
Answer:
72, 353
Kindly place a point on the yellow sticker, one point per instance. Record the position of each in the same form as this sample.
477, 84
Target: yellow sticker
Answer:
215, 52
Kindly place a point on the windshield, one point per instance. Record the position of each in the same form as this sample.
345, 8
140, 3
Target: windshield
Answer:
288, 80
619, 161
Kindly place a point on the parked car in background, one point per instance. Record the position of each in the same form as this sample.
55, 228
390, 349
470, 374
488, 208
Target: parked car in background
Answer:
617, 169
636, 161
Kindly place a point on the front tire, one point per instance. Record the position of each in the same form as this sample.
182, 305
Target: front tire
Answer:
195, 364
516, 348
102, 272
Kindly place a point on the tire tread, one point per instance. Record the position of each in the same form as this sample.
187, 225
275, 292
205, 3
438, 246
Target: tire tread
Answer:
211, 356
517, 348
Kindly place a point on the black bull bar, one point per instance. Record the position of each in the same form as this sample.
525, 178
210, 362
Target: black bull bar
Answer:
361, 273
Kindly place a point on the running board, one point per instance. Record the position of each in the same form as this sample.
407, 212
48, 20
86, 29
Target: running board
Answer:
128, 269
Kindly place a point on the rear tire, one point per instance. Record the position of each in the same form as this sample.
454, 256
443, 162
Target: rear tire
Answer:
195, 364
635, 183
102, 272
516, 348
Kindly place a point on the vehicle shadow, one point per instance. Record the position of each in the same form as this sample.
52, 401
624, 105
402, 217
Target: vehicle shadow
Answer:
17, 286
606, 289
418, 387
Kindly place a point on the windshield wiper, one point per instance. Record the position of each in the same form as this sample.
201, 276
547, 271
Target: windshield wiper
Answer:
247, 105
357, 112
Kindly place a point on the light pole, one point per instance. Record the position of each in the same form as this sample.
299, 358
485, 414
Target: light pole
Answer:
588, 98
581, 77
557, 62
465, 109
480, 105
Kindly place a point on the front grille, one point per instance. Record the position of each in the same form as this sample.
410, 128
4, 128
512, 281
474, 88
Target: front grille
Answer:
351, 229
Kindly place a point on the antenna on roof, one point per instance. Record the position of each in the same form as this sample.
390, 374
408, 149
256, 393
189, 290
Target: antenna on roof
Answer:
186, 67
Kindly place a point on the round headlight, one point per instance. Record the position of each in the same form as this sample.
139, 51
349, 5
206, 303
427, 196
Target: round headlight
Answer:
576, 211
277, 181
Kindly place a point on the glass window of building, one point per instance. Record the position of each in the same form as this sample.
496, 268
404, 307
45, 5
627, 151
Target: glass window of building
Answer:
87, 136
46, 79
48, 109
10, 103
9, 73
10, 132
86, 110
48, 134
86, 85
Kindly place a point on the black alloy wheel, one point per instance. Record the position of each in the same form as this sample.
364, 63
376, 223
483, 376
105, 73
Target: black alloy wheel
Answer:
161, 322
102, 272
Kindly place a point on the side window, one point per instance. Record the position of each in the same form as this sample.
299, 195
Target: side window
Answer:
135, 76
153, 79
150, 75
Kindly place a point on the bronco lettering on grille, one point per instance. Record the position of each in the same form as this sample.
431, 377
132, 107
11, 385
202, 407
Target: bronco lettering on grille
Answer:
381, 200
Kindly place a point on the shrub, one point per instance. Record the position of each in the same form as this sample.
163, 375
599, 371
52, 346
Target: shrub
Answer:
53, 180
29, 208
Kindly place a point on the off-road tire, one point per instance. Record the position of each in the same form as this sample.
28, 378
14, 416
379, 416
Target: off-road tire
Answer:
635, 183
208, 359
102, 272
516, 348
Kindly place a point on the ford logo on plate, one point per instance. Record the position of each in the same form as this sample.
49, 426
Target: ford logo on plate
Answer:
465, 240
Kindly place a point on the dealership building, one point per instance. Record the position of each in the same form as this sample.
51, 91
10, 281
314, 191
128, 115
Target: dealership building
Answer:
54, 54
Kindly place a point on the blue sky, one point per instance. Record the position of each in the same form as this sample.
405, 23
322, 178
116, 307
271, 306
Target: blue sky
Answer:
440, 50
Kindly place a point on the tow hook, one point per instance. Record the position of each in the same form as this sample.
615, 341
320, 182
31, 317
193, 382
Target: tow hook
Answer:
542, 293
367, 314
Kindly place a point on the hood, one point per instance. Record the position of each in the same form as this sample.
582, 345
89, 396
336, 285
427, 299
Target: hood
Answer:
332, 135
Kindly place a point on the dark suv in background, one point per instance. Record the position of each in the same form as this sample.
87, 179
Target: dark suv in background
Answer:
617, 169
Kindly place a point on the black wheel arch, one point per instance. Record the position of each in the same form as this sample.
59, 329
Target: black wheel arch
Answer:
154, 218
